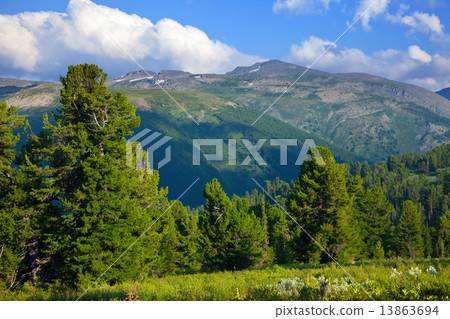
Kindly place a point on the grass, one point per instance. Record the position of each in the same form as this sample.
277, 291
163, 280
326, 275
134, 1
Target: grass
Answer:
288, 282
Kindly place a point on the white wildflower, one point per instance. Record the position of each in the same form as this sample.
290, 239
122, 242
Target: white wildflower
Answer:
431, 271
395, 273
414, 272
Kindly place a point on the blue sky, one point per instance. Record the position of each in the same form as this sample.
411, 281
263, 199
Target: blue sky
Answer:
402, 40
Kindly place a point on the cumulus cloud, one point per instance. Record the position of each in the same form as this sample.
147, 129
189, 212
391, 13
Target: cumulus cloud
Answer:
417, 53
302, 6
18, 46
45, 42
413, 66
419, 22
370, 9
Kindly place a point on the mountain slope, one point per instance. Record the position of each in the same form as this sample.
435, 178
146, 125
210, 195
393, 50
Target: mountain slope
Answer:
368, 115
218, 118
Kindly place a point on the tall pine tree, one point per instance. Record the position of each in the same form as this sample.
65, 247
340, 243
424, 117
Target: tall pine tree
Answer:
97, 205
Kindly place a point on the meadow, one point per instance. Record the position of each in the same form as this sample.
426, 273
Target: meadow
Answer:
396, 279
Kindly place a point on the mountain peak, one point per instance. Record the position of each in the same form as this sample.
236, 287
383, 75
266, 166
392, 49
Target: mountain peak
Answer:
444, 93
271, 68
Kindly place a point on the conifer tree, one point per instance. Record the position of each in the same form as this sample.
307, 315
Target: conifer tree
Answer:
178, 242
444, 235
409, 231
427, 242
14, 221
279, 235
321, 202
375, 214
231, 238
378, 251
98, 205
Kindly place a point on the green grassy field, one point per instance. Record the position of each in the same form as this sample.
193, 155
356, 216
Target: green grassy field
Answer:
411, 280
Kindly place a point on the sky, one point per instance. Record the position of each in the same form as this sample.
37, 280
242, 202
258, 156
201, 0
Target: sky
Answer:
403, 40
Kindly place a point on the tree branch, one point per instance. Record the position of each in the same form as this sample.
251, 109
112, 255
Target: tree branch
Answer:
3, 247
96, 121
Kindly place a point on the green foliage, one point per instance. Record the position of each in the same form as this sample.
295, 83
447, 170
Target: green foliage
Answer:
444, 235
375, 215
93, 207
402, 178
321, 203
409, 232
427, 242
416, 283
231, 237
421, 178
279, 235
14, 220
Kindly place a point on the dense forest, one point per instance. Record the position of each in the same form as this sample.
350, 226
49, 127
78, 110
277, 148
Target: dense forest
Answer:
71, 207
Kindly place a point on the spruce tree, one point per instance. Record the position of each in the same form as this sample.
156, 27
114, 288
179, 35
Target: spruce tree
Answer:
409, 231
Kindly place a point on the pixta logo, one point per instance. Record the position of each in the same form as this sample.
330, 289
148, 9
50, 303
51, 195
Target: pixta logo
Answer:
145, 150
253, 149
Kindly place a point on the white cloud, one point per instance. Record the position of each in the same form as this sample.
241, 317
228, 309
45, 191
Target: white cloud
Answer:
419, 22
18, 46
302, 6
192, 50
412, 66
370, 9
417, 53
45, 42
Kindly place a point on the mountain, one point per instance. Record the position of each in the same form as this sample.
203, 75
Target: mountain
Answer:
358, 116
367, 115
218, 118
444, 93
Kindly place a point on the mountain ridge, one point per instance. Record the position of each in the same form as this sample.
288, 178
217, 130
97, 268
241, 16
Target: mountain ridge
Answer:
188, 81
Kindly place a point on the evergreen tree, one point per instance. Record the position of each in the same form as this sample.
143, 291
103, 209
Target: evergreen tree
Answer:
444, 235
378, 251
279, 235
321, 202
427, 243
409, 231
231, 238
14, 221
97, 205
178, 245
375, 213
